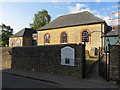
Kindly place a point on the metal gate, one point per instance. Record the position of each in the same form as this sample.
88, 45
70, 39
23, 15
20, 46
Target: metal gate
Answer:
104, 63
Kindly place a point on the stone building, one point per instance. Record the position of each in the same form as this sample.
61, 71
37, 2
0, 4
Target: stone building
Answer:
22, 38
34, 37
112, 37
74, 28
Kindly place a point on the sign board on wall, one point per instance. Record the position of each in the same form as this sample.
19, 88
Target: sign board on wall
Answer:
67, 56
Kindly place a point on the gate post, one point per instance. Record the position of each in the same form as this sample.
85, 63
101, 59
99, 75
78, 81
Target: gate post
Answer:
106, 51
99, 61
83, 61
109, 63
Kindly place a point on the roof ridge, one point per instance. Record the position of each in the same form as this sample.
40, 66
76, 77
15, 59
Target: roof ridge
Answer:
96, 17
72, 13
72, 20
24, 31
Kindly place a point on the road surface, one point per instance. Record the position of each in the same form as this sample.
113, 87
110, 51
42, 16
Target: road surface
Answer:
12, 81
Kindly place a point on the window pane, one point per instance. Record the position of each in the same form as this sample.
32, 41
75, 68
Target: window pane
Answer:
18, 42
67, 61
12, 43
85, 37
63, 37
47, 38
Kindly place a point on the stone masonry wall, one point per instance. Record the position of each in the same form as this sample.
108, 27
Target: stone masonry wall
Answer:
47, 59
103, 69
115, 64
114, 75
5, 57
74, 34
27, 41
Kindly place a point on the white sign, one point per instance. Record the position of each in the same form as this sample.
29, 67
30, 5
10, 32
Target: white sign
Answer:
67, 56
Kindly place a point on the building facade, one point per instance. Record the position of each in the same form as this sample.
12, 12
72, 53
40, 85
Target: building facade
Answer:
74, 28
112, 37
22, 38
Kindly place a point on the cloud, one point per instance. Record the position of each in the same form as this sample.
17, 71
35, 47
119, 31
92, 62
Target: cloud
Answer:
108, 9
116, 6
102, 9
98, 1
58, 7
116, 22
116, 14
60, 15
76, 8
79, 8
100, 16
88, 9
105, 13
59, 1
113, 19
108, 20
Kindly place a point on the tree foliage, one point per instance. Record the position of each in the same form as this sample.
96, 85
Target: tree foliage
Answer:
40, 19
5, 33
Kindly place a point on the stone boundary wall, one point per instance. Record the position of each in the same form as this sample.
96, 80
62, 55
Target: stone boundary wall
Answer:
114, 75
5, 57
47, 59
115, 64
103, 69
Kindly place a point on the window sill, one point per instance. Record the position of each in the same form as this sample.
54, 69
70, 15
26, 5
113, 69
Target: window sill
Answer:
63, 43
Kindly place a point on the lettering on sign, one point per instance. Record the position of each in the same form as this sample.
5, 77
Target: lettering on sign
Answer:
67, 56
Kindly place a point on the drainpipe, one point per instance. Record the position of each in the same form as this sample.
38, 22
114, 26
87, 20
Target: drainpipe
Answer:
101, 37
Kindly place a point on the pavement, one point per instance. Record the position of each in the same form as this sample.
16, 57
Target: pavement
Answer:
65, 82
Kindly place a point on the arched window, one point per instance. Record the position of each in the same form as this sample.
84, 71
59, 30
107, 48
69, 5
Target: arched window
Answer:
63, 37
18, 42
12, 42
85, 36
47, 38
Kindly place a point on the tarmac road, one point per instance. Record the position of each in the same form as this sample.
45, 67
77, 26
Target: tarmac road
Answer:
12, 81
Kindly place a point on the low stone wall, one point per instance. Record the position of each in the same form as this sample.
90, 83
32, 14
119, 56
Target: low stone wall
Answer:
115, 64
114, 70
103, 65
47, 59
5, 57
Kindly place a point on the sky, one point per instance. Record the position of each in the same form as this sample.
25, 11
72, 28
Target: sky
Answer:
19, 14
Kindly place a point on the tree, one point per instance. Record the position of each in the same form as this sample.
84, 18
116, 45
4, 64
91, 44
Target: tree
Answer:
5, 33
40, 19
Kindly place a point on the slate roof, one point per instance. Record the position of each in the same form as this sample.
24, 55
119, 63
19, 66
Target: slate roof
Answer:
26, 32
114, 31
116, 27
82, 18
